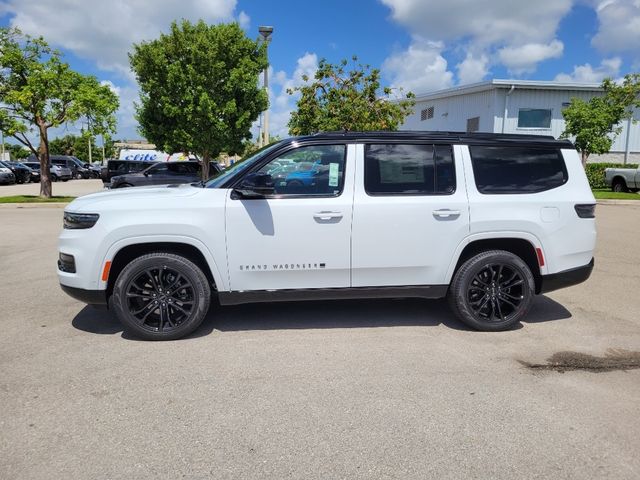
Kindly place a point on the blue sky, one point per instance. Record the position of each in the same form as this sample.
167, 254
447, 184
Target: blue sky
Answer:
419, 45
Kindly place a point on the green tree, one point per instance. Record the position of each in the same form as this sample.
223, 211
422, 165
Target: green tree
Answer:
338, 99
594, 124
38, 91
16, 152
76, 145
199, 89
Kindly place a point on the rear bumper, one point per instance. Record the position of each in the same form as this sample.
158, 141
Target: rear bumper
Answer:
90, 297
566, 278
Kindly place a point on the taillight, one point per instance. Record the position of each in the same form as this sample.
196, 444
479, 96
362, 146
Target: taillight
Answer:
586, 210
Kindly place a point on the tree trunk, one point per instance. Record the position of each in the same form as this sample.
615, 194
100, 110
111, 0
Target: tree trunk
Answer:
584, 155
43, 154
206, 158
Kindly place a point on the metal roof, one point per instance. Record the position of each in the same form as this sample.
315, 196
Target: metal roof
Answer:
507, 84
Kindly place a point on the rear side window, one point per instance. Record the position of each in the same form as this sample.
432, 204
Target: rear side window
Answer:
408, 169
513, 170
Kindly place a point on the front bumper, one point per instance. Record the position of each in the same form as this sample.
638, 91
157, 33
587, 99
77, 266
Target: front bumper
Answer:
566, 278
90, 297
7, 178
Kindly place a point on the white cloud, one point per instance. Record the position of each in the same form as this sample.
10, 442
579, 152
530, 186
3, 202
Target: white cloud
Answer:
419, 69
472, 69
244, 20
103, 31
486, 26
609, 67
523, 59
619, 26
487, 21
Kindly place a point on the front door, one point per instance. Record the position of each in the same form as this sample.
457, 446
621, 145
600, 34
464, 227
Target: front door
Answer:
298, 238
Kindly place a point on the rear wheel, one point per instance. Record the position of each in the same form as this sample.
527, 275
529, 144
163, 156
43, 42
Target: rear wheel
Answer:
619, 185
161, 296
492, 291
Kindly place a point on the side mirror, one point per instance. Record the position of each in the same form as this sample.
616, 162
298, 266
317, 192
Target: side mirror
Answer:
255, 185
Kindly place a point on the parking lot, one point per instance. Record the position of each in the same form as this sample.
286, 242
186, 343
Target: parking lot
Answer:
342, 389
73, 188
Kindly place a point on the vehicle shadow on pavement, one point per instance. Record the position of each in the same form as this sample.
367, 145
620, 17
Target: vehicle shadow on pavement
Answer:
104, 322
369, 313
358, 314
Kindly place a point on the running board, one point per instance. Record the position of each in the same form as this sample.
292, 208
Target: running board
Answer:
293, 295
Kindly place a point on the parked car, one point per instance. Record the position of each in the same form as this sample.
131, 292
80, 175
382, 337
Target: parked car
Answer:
163, 173
623, 179
6, 175
487, 220
21, 172
95, 169
78, 170
57, 172
122, 167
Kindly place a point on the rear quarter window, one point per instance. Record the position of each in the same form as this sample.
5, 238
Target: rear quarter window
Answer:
517, 170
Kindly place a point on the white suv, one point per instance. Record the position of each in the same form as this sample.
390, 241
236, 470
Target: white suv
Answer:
487, 220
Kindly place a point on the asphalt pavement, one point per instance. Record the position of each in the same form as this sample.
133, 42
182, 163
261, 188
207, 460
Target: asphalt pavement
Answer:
389, 389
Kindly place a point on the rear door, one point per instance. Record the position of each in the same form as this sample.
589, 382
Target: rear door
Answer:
410, 213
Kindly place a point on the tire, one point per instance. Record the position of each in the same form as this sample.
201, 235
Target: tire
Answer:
619, 186
146, 280
492, 291
54, 177
124, 185
66, 179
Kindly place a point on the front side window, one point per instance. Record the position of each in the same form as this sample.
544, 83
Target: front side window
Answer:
404, 169
513, 170
157, 169
312, 170
534, 118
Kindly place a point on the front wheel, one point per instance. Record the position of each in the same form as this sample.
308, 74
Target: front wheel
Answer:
492, 291
619, 186
161, 296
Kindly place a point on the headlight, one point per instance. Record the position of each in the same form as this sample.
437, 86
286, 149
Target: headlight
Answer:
79, 220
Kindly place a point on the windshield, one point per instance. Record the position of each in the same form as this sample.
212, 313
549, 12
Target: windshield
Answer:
239, 166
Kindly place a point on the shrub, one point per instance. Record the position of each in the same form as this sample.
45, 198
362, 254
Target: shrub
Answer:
595, 172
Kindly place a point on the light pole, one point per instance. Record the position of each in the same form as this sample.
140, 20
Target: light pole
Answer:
266, 32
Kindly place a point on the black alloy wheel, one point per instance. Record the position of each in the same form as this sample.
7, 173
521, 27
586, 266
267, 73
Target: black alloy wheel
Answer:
161, 296
496, 292
492, 290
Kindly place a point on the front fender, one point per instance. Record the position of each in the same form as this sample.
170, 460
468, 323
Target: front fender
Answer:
141, 239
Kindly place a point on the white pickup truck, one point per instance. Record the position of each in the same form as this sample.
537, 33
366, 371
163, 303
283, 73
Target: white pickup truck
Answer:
623, 179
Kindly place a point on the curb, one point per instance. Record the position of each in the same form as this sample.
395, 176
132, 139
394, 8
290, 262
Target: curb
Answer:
35, 205
618, 202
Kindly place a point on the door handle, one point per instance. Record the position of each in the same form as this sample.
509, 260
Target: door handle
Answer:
446, 213
327, 215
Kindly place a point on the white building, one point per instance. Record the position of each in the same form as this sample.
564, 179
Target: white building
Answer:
514, 106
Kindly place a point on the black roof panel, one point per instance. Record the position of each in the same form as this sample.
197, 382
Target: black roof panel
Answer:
448, 137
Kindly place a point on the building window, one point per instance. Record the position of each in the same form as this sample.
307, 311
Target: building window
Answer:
534, 118
473, 124
426, 113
